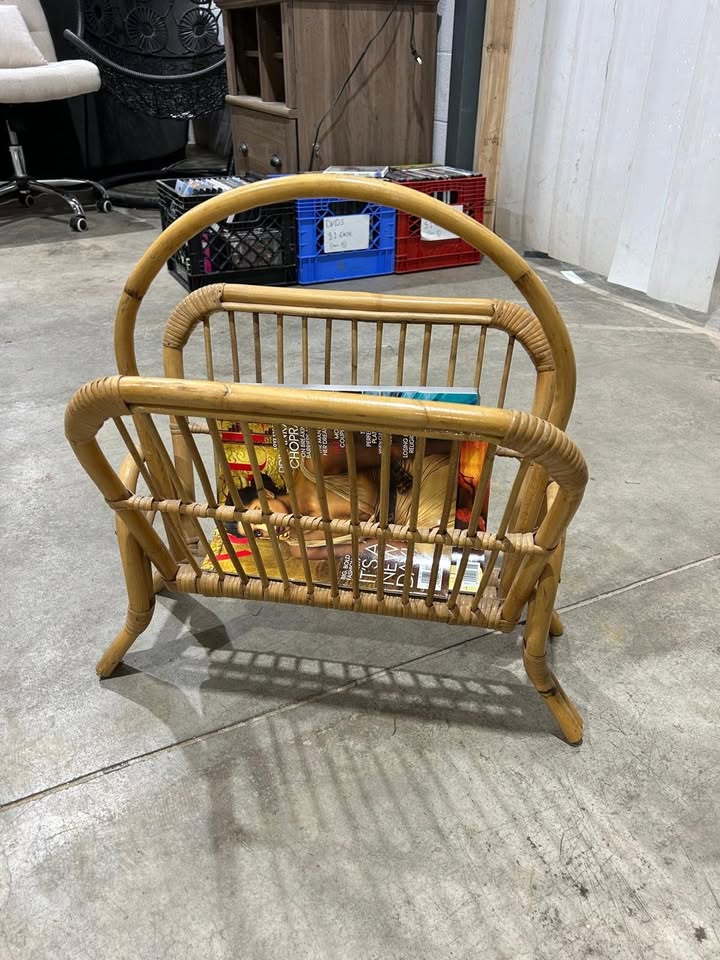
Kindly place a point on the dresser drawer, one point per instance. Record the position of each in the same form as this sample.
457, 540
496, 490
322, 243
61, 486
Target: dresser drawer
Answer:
264, 142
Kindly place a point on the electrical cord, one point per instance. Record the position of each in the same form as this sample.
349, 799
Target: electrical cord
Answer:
314, 146
413, 48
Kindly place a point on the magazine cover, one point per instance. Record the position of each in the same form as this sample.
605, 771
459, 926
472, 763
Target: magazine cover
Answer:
434, 482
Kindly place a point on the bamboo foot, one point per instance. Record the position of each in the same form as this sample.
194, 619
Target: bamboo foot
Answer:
158, 583
560, 705
556, 627
135, 623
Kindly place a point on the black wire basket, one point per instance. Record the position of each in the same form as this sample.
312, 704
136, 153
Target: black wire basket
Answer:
257, 246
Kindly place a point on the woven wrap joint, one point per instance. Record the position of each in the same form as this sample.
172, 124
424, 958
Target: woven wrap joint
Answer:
539, 440
191, 309
517, 321
136, 621
91, 406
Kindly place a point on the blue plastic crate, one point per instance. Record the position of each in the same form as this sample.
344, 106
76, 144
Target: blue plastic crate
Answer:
316, 266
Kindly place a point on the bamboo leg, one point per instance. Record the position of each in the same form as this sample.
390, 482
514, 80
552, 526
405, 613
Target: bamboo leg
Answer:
140, 582
540, 615
141, 600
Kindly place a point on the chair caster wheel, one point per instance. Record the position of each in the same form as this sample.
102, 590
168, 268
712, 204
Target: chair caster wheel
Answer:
78, 224
27, 199
104, 205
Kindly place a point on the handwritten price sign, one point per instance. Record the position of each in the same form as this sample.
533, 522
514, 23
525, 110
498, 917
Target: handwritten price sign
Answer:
431, 231
342, 234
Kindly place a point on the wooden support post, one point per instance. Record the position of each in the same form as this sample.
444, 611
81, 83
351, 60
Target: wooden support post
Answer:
497, 46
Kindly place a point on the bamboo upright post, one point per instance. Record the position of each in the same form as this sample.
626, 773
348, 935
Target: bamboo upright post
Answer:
494, 77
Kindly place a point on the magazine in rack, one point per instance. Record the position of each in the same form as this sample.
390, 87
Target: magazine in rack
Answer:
435, 481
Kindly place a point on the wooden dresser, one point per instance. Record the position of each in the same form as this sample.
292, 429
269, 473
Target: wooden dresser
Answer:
287, 60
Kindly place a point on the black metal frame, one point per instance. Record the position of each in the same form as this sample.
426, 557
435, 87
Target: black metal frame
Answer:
165, 93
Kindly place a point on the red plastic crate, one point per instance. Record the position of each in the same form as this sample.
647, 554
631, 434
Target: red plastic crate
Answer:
413, 253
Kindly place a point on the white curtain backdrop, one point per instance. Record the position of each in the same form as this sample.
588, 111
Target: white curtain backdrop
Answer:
611, 146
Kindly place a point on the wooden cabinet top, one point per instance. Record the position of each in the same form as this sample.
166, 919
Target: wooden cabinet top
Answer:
237, 4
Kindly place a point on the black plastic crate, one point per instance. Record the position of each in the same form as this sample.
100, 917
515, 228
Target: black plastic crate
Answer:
258, 246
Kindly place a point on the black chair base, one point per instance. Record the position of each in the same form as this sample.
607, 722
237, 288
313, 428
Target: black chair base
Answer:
26, 190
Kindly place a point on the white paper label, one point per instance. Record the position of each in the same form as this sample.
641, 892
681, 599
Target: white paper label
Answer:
341, 234
431, 231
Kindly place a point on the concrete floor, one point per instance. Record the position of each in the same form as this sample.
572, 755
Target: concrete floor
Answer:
267, 782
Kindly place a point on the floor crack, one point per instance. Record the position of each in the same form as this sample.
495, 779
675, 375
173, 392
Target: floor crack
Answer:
341, 688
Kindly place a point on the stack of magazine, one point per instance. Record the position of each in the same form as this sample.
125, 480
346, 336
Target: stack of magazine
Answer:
427, 172
207, 185
434, 480
419, 172
376, 172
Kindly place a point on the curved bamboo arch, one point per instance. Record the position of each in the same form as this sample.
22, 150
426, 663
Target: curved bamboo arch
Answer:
410, 201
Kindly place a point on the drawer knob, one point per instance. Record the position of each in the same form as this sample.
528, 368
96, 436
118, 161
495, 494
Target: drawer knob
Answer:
244, 149
275, 161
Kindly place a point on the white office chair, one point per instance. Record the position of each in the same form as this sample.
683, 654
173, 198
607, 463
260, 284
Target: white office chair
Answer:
53, 80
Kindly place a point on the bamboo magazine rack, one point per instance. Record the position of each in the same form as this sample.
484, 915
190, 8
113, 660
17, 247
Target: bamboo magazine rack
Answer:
243, 358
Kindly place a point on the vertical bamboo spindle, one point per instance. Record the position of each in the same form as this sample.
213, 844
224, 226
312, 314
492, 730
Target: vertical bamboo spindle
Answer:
506, 372
163, 463
171, 522
134, 453
207, 335
280, 349
210, 495
501, 531
305, 355
448, 503
480, 357
139, 462
258, 347
193, 524
264, 505
297, 513
427, 337
354, 512
234, 346
353, 351
328, 349
221, 459
378, 352
478, 502
418, 463
324, 511
452, 359
401, 353
385, 451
